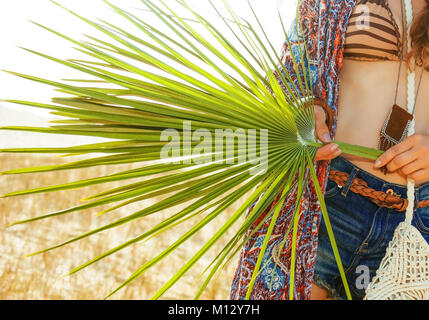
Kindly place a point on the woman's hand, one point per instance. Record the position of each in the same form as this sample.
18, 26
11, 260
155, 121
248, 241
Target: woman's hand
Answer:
410, 157
330, 150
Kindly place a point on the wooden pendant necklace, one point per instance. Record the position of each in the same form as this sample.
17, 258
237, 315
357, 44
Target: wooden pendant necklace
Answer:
396, 126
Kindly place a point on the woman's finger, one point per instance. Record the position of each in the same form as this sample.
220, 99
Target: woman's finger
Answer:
420, 175
413, 166
403, 159
322, 130
328, 152
394, 151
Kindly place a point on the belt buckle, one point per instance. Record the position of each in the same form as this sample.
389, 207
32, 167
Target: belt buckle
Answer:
393, 193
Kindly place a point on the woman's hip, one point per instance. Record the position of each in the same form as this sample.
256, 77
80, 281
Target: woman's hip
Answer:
358, 201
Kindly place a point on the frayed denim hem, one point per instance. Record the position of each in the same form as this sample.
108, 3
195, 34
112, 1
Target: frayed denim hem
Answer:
332, 293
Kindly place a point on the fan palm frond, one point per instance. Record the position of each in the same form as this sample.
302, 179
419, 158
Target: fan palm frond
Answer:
168, 101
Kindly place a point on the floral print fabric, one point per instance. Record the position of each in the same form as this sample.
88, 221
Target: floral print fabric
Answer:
324, 24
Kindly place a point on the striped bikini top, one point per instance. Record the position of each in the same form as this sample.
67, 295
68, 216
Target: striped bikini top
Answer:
372, 33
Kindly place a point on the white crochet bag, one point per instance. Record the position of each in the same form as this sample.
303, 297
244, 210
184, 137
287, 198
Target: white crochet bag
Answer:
404, 271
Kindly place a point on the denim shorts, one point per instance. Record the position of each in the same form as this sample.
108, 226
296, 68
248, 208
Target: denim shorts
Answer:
362, 230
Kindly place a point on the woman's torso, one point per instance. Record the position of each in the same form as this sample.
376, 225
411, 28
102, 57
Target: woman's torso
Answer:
366, 95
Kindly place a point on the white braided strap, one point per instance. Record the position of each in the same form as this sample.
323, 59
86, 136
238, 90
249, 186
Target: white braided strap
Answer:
403, 273
411, 130
411, 103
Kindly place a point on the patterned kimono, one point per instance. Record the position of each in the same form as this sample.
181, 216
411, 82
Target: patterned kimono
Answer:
324, 24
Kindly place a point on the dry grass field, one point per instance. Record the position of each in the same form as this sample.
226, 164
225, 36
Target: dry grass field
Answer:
36, 277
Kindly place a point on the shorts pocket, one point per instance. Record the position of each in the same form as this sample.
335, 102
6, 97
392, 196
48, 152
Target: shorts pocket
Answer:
422, 219
331, 189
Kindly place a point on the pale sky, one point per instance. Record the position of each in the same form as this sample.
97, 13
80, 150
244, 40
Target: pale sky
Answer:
17, 30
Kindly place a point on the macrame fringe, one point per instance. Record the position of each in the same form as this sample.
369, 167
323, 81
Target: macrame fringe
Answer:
385, 143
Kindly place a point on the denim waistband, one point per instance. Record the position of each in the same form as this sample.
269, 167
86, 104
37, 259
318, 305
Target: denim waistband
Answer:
342, 164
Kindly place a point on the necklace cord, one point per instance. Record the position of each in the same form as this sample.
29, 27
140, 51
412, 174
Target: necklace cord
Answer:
401, 61
418, 90
402, 51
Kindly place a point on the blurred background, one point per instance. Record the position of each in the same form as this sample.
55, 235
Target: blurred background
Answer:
37, 277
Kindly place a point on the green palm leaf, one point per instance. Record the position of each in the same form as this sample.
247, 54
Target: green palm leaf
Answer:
210, 86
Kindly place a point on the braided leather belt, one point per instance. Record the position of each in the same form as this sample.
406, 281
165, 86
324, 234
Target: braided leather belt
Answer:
380, 198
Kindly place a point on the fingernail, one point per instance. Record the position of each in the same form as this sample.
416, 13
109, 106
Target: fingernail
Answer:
334, 147
377, 163
326, 137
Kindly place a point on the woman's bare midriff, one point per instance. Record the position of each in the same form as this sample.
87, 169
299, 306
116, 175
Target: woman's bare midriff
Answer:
367, 91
